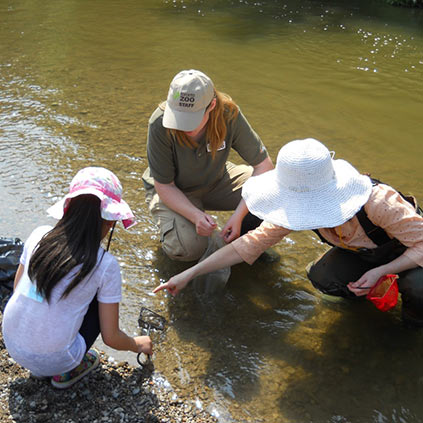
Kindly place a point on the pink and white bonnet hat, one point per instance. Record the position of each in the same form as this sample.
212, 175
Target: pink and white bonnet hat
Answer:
105, 185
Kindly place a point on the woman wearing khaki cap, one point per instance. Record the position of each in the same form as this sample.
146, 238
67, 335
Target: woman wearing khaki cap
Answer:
374, 230
189, 140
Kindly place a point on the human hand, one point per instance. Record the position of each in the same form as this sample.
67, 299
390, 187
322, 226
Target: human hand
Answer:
232, 229
143, 344
204, 224
175, 284
363, 285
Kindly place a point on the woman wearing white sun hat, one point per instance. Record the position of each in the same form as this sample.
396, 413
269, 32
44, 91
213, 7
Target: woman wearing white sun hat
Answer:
68, 288
189, 140
308, 189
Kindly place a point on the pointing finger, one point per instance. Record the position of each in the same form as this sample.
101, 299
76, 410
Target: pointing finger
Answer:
160, 287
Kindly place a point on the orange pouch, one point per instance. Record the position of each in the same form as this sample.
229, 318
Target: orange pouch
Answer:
384, 294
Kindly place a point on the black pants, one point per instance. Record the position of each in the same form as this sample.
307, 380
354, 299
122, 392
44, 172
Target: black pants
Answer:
334, 270
249, 223
90, 328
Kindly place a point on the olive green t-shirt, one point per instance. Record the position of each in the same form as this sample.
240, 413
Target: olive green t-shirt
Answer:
193, 169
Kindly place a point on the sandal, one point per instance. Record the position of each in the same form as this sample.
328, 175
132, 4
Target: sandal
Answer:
90, 361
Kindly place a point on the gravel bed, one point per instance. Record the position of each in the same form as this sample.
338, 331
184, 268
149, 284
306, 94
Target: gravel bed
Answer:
114, 392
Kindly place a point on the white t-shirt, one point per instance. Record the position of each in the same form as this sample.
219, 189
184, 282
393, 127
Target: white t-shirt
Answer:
44, 337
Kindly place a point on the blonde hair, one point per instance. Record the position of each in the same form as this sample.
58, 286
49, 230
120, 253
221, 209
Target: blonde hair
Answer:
225, 110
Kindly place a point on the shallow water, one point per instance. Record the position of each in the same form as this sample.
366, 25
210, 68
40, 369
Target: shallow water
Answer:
78, 81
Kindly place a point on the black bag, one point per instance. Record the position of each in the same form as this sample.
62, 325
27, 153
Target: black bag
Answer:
10, 253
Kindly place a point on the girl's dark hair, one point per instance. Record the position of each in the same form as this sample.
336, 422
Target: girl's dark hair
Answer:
74, 240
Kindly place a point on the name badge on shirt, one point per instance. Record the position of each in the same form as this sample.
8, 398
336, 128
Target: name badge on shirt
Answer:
222, 147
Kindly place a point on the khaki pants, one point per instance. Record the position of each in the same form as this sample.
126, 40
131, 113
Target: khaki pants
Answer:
178, 235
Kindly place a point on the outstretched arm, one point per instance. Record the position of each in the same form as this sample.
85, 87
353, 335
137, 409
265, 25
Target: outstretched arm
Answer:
232, 227
114, 337
176, 200
224, 257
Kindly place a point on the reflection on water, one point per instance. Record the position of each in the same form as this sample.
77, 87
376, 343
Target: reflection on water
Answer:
78, 81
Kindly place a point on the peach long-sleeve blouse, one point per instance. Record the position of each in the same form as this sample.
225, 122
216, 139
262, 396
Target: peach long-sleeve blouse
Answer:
385, 208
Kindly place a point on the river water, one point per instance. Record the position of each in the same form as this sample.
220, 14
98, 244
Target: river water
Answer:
78, 81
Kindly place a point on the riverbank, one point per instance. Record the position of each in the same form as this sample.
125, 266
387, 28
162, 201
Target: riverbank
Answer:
114, 392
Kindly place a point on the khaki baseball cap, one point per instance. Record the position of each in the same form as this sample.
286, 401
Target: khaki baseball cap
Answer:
190, 92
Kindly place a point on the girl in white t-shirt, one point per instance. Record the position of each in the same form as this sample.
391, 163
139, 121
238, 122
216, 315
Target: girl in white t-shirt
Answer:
68, 288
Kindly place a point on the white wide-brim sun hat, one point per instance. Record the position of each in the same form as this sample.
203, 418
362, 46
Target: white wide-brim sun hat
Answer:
307, 189
106, 186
